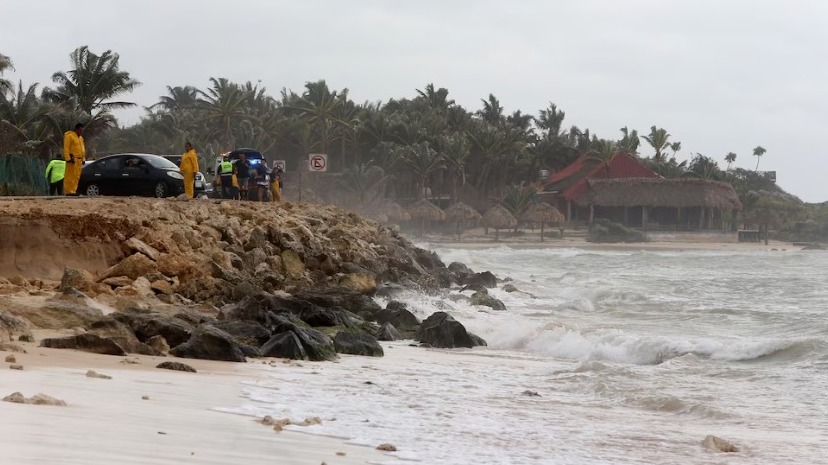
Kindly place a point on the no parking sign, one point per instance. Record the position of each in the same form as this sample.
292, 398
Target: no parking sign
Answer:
318, 162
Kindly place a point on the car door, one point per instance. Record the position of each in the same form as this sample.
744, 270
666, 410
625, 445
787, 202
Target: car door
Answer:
105, 173
136, 176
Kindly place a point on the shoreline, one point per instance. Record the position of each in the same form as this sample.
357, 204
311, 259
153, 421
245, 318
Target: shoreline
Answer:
107, 421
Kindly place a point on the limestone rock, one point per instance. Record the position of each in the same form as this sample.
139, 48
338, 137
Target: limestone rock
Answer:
717, 444
397, 314
133, 244
11, 324
122, 335
485, 278
11, 359
159, 344
357, 343
245, 332
15, 366
387, 447
176, 366
95, 374
118, 281
77, 278
510, 288
28, 337
147, 324
292, 264
37, 399
134, 266
162, 286
364, 283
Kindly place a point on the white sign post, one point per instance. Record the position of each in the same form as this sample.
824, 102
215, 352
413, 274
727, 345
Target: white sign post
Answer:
280, 164
318, 162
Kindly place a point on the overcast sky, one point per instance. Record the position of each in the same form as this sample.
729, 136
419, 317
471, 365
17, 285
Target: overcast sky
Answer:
720, 75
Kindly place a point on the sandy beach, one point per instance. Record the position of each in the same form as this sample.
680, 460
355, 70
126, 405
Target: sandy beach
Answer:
107, 420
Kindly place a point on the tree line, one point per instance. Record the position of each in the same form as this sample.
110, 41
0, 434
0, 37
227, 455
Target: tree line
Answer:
425, 143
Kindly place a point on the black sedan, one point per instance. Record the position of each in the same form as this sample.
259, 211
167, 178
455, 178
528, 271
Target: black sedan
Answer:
131, 174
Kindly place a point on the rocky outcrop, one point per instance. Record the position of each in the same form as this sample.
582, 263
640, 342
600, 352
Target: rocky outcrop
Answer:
387, 332
442, 330
317, 345
485, 279
210, 343
245, 332
146, 324
397, 314
484, 299
357, 343
176, 366
284, 345
86, 342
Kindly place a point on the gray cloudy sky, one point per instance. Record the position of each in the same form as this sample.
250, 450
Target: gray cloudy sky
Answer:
719, 75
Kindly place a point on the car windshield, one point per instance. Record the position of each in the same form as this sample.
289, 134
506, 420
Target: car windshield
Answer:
161, 162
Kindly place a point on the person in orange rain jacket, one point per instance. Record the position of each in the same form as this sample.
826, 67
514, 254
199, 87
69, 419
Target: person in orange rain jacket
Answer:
189, 168
74, 153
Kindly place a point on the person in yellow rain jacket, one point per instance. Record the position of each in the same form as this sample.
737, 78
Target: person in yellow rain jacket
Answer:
276, 184
74, 154
189, 168
55, 172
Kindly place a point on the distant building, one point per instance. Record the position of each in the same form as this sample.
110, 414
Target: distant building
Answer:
567, 188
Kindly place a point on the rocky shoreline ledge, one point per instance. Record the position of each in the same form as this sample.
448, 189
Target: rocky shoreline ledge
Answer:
218, 280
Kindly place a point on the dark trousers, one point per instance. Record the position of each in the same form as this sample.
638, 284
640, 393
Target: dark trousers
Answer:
227, 189
56, 188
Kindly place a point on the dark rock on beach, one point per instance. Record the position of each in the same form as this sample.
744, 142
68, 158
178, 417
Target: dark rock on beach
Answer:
357, 343
443, 331
484, 299
210, 343
176, 366
486, 279
284, 345
387, 332
87, 342
397, 314
317, 345
245, 332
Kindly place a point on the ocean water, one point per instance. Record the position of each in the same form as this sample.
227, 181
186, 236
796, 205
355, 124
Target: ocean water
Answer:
601, 358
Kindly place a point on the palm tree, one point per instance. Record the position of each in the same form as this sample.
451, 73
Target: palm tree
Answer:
318, 105
92, 84
437, 99
5, 63
423, 161
758, 152
223, 109
492, 111
22, 111
604, 151
630, 141
517, 198
730, 158
675, 147
455, 150
178, 98
365, 182
659, 140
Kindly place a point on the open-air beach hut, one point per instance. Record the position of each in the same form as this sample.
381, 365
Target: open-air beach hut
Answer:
425, 210
543, 213
461, 213
498, 217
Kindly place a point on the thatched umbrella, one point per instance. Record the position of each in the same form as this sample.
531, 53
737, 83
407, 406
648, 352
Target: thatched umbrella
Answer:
460, 213
425, 210
499, 218
542, 213
393, 211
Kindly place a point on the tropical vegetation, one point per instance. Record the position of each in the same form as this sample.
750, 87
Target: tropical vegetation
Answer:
409, 148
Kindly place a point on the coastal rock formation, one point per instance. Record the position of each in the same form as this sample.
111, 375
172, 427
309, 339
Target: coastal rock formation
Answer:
176, 366
215, 279
717, 444
37, 399
484, 299
443, 331
87, 342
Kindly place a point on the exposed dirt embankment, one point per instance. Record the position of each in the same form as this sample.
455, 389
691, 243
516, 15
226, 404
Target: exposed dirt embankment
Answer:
206, 251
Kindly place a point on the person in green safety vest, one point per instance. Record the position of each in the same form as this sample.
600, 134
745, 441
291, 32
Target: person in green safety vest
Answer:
55, 171
226, 172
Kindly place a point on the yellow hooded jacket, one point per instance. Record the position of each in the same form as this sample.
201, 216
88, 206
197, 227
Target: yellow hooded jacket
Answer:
189, 162
73, 145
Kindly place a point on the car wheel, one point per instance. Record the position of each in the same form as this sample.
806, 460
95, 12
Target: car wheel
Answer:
93, 190
160, 190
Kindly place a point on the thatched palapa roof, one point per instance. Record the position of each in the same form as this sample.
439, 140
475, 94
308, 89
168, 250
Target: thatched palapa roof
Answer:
498, 217
423, 209
461, 211
542, 212
659, 192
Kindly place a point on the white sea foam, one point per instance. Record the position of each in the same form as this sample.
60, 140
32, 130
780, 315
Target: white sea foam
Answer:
635, 356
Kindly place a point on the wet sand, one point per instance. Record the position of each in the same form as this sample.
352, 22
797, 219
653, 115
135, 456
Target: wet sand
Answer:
107, 421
